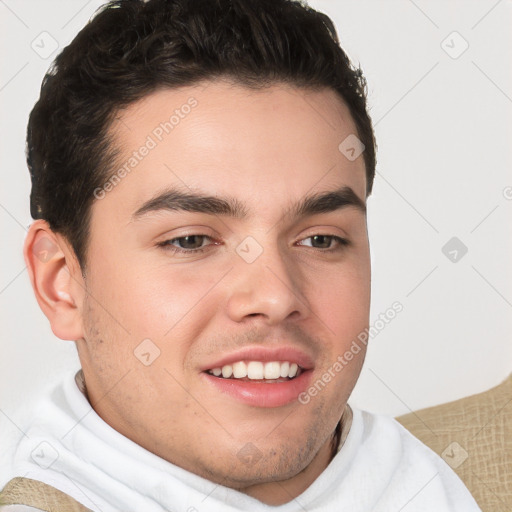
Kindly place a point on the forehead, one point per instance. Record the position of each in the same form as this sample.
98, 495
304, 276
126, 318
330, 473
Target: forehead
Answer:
266, 146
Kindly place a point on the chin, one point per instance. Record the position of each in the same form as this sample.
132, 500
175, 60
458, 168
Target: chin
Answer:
263, 461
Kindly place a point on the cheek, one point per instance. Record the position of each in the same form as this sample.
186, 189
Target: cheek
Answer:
141, 301
342, 300
176, 299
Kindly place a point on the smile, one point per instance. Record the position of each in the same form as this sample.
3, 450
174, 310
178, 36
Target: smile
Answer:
273, 371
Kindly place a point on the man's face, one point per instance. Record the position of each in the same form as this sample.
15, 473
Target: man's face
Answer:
269, 284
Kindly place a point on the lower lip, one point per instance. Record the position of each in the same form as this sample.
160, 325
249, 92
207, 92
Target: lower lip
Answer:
262, 394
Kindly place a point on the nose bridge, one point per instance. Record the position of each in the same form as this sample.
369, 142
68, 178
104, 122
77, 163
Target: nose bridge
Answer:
266, 282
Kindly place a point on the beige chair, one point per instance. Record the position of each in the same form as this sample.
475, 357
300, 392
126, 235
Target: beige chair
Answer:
474, 436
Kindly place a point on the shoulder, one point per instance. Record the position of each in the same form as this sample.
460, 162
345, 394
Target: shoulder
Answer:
407, 468
391, 440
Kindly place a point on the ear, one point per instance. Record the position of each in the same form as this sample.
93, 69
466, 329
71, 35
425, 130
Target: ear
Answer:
56, 279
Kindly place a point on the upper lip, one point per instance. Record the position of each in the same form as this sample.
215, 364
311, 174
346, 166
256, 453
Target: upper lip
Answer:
263, 354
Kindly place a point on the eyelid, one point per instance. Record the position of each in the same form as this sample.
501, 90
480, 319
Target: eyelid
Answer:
167, 245
341, 241
186, 231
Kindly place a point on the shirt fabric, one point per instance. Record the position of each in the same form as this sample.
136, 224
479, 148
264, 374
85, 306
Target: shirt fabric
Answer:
381, 467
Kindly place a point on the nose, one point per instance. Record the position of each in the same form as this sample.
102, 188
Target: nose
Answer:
268, 287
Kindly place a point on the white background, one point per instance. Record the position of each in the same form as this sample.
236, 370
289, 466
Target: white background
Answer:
443, 128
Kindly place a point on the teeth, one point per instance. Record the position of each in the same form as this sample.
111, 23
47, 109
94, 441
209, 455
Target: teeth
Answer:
272, 370
256, 370
226, 371
239, 370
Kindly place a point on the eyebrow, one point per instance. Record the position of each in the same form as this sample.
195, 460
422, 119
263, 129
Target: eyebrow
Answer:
176, 200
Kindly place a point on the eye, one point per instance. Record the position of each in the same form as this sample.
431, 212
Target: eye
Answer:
324, 242
195, 243
185, 244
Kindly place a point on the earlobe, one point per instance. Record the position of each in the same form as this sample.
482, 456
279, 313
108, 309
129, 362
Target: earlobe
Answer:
56, 279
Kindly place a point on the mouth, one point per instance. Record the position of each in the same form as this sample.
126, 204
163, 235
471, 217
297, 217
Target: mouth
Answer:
261, 378
258, 371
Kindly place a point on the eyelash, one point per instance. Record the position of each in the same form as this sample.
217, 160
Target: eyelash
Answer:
166, 244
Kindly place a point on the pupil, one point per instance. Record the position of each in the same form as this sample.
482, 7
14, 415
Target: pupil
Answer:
187, 241
324, 238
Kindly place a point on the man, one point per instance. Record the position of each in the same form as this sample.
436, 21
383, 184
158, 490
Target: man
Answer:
199, 174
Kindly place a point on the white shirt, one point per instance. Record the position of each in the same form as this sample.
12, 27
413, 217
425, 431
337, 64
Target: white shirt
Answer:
381, 467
